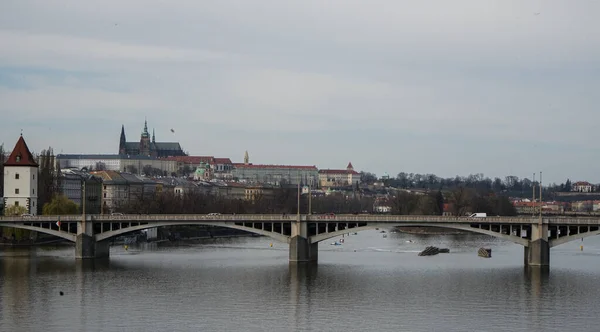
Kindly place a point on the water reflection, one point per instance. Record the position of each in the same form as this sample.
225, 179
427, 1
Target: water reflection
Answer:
250, 286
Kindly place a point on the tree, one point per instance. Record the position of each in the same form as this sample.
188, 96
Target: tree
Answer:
460, 198
367, 178
60, 205
131, 169
2, 159
14, 210
100, 166
15, 233
439, 202
48, 179
567, 187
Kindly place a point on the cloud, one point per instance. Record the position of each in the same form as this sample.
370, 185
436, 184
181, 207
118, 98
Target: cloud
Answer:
390, 85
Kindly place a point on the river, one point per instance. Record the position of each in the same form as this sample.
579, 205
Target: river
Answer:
370, 283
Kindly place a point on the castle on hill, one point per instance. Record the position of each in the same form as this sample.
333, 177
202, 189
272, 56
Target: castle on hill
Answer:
147, 146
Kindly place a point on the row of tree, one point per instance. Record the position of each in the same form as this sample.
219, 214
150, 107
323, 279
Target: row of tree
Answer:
285, 201
511, 184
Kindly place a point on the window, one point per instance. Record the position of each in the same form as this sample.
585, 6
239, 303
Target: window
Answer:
16, 203
17, 191
34, 176
33, 191
16, 176
104, 195
33, 203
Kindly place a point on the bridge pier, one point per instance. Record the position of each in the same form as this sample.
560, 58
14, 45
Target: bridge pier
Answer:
301, 249
86, 246
537, 254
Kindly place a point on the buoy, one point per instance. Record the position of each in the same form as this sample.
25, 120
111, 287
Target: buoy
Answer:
126, 247
271, 244
581, 247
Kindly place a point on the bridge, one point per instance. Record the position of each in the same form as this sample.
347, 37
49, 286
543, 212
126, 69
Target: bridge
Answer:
91, 233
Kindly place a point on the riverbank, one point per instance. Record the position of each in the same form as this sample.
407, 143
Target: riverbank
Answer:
429, 231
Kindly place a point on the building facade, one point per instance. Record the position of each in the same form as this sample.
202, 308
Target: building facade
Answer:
276, 174
147, 146
78, 185
339, 177
21, 178
118, 163
121, 189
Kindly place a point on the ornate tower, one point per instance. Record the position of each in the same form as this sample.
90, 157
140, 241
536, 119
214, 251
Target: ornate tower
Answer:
145, 141
122, 142
246, 158
153, 137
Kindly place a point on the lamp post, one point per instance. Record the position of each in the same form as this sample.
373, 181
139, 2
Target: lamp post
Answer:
540, 197
309, 200
83, 199
533, 197
298, 208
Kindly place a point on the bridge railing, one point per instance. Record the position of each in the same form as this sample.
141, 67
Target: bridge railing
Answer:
311, 218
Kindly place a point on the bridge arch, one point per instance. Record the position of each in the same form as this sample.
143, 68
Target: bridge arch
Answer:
569, 238
65, 235
511, 238
109, 234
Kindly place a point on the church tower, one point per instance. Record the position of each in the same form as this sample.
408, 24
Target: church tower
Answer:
145, 141
21, 178
122, 142
246, 158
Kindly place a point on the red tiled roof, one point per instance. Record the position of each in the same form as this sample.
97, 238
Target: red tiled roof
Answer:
222, 161
582, 183
337, 171
21, 156
237, 165
192, 159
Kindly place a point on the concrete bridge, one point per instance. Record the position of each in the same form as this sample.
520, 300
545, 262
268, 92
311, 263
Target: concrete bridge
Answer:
91, 233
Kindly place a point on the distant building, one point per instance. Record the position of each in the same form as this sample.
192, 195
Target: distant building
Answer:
582, 187
118, 163
21, 178
120, 189
339, 177
276, 174
72, 186
220, 168
148, 146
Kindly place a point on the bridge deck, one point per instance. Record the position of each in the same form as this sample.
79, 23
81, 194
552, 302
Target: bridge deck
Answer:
383, 219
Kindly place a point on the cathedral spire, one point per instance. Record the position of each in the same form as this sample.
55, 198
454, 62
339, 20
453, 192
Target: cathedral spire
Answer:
153, 137
145, 133
122, 141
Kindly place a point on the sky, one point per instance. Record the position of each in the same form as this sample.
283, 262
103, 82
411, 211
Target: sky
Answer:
498, 87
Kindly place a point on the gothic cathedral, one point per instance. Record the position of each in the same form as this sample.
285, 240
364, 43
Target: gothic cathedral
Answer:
148, 147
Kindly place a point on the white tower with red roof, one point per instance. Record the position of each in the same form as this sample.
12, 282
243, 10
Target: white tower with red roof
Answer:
21, 178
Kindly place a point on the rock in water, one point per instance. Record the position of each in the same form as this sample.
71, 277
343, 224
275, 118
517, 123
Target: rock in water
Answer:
430, 251
484, 252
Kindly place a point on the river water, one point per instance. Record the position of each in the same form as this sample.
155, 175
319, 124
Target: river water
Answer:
370, 283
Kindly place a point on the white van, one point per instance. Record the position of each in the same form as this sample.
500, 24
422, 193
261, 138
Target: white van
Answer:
478, 215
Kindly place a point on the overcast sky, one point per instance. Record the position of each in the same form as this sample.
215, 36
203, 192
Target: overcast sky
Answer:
446, 87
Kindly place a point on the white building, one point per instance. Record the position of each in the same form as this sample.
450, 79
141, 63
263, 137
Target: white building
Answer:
21, 178
276, 174
339, 177
582, 187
